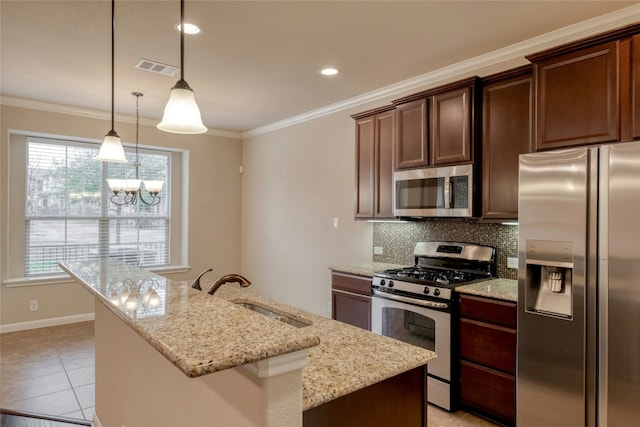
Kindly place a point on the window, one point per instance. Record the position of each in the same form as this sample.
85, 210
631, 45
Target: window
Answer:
68, 213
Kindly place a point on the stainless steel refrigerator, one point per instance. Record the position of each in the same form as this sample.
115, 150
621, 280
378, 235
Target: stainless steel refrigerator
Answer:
578, 356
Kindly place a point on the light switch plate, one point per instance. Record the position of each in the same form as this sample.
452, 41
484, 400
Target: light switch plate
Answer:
512, 262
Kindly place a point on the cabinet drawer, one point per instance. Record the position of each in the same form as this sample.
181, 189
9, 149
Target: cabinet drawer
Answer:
489, 391
349, 283
499, 312
489, 345
351, 308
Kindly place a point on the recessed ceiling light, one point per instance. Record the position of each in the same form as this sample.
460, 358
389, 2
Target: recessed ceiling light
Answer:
190, 28
329, 71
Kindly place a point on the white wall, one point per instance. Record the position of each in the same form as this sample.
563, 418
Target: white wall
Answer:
214, 207
295, 182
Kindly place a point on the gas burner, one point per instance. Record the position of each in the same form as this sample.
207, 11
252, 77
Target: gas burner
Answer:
430, 275
442, 265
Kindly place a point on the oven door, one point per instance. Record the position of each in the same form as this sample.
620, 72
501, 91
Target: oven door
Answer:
423, 327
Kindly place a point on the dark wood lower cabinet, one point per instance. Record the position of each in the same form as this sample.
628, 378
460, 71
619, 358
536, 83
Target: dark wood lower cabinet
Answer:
351, 299
488, 357
490, 391
351, 308
397, 401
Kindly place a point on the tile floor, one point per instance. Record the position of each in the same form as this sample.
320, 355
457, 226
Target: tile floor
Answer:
51, 371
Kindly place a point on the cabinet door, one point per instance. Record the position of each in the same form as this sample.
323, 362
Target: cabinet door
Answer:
451, 127
577, 98
365, 167
351, 308
507, 132
411, 135
384, 135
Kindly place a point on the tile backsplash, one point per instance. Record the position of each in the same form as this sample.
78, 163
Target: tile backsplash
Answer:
398, 239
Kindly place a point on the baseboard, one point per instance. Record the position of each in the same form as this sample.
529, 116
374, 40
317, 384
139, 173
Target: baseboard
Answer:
43, 323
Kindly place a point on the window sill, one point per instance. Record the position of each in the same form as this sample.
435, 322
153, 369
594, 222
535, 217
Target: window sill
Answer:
57, 279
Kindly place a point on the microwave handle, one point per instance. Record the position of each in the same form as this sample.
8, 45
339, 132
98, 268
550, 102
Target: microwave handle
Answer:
452, 193
447, 192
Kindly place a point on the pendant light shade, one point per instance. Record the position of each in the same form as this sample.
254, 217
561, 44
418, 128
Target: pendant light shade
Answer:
111, 149
181, 114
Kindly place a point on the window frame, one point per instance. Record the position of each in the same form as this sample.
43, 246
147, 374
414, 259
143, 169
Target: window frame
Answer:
16, 233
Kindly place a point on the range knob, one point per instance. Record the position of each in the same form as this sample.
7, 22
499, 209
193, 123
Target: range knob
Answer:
426, 290
391, 283
382, 282
436, 292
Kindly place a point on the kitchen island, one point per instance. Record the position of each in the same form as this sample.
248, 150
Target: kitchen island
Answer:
234, 366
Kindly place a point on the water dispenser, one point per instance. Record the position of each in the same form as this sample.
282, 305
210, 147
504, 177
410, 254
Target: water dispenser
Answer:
548, 285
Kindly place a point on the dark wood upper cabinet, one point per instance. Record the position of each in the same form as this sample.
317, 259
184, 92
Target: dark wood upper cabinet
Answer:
451, 127
411, 134
383, 199
365, 167
437, 126
577, 98
374, 163
587, 91
507, 132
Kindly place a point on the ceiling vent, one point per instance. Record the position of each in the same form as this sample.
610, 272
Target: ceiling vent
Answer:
157, 67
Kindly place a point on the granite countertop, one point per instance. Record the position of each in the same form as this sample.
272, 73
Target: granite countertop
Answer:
503, 289
197, 332
202, 334
365, 269
347, 359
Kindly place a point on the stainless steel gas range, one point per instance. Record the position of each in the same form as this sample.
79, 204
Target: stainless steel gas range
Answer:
415, 305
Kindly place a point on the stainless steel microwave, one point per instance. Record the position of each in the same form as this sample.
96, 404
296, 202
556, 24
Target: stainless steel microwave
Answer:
445, 191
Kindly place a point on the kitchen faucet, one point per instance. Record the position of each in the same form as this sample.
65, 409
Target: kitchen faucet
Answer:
228, 279
196, 283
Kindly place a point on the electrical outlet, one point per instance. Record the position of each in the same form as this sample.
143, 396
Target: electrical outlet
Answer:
512, 262
329, 307
336, 223
33, 305
378, 250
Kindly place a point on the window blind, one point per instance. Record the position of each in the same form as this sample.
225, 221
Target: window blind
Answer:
69, 214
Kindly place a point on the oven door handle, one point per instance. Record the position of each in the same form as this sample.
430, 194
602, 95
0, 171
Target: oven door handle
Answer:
423, 303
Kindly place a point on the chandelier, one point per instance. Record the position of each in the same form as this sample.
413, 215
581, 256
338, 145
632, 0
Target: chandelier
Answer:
127, 191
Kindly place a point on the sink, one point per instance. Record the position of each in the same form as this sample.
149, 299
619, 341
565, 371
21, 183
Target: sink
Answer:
266, 312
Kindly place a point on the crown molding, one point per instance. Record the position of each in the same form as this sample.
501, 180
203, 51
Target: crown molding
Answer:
94, 114
571, 33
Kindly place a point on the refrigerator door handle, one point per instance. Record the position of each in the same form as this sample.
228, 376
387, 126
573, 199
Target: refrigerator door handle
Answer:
603, 371
603, 287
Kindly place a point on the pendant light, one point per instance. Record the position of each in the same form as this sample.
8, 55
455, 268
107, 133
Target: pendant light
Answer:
127, 191
181, 114
111, 149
